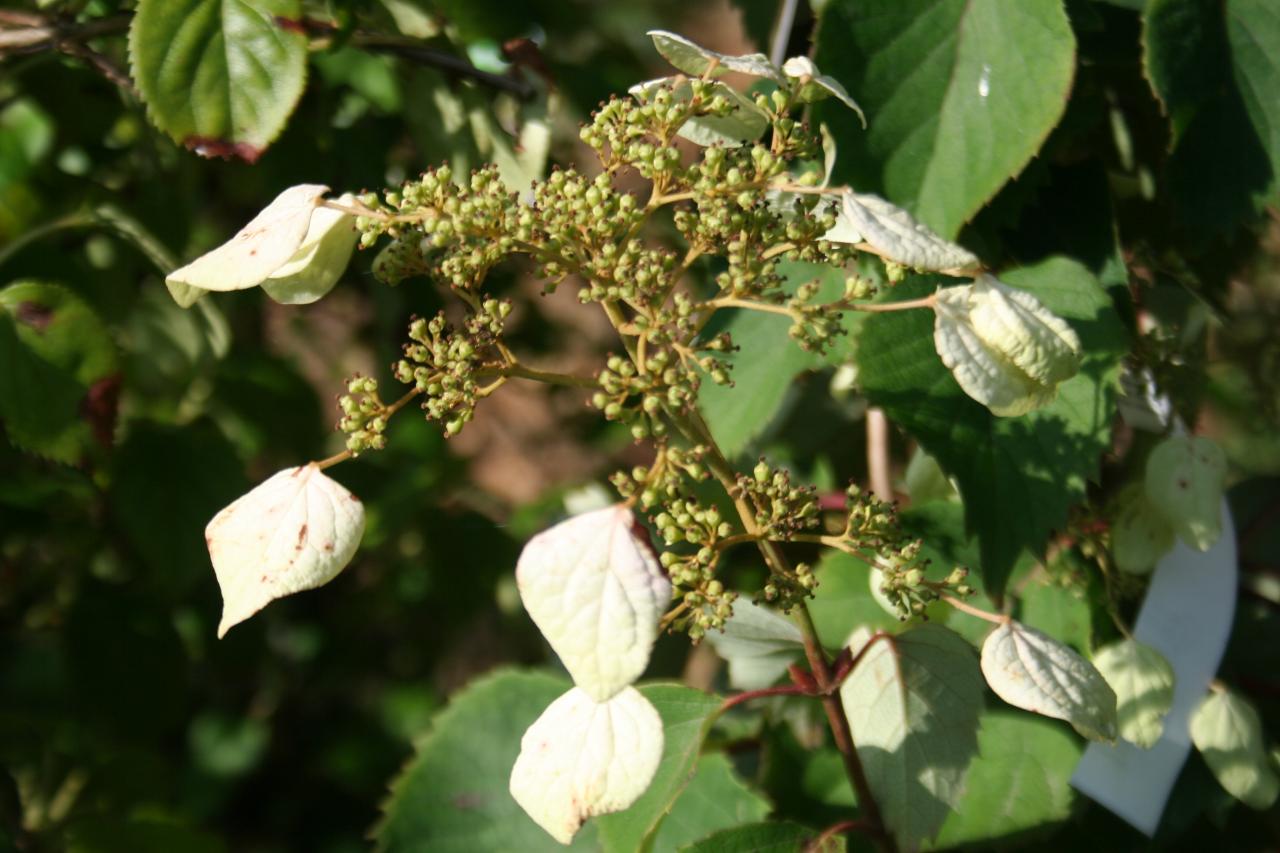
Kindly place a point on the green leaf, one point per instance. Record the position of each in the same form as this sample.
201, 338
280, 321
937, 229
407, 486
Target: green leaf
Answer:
1214, 68
763, 368
1226, 729
1019, 476
453, 794
960, 94
913, 703
777, 837
1018, 782
714, 799
58, 383
219, 76
758, 643
1060, 611
686, 717
1143, 681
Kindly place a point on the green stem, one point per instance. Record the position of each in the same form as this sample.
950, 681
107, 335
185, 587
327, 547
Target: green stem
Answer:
521, 372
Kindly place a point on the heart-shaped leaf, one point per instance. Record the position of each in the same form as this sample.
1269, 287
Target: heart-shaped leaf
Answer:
1035, 672
219, 76
596, 592
294, 532
583, 758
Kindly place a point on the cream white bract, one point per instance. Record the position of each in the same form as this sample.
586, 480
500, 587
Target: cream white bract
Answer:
1033, 671
1226, 729
596, 592
1143, 682
1185, 477
583, 758
297, 246
294, 532
895, 235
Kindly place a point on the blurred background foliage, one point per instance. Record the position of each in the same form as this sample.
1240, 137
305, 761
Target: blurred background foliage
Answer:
124, 726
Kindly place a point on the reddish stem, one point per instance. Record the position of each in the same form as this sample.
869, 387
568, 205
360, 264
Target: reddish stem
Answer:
748, 695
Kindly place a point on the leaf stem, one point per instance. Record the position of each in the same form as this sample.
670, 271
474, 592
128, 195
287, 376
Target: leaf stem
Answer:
994, 618
749, 695
387, 412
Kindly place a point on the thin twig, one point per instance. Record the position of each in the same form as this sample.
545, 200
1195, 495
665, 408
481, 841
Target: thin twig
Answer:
520, 371
415, 51
842, 828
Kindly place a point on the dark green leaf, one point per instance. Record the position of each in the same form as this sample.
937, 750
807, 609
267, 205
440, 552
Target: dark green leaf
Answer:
58, 384
108, 835
219, 76
959, 95
1018, 475
765, 838
1019, 782
167, 483
1214, 67
453, 795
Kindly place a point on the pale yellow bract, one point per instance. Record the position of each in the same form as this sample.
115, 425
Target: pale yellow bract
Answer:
1004, 348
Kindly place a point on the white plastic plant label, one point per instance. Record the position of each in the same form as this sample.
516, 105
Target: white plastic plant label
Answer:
1189, 587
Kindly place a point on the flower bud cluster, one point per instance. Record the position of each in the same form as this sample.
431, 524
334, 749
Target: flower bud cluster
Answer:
637, 131
364, 416
637, 399
898, 574
788, 592
453, 233
898, 581
445, 363
781, 509
585, 226
692, 531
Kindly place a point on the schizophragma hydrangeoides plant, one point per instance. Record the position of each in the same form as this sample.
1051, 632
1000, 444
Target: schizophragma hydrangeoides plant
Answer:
754, 193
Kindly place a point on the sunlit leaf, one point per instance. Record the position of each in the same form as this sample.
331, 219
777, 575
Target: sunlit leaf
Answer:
1035, 672
595, 590
219, 76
